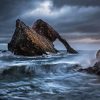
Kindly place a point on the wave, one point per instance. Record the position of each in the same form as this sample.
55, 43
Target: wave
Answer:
52, 64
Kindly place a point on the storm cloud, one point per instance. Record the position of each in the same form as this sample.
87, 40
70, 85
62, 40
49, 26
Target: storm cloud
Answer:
60, 3
66, 16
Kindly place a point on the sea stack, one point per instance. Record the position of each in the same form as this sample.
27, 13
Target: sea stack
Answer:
35, 41
44, 29
27, 42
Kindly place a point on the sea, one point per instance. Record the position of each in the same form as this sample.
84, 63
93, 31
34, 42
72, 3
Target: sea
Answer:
48, 77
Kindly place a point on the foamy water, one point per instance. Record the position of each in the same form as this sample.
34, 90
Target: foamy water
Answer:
47, 77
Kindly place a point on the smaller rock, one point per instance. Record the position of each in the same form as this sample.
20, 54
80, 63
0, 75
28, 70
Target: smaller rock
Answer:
92, 70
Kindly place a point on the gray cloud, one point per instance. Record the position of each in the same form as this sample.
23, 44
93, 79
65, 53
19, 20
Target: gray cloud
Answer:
10, 10
60, 3
85, 20
66, 16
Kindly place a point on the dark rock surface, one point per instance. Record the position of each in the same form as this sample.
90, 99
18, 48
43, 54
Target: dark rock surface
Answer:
46, 30
27, 42
92, 70
35, 41
95, 69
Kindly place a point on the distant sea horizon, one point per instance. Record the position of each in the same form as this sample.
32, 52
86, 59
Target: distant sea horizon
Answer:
77, 42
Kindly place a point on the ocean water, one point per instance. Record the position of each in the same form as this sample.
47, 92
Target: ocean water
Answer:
47, 77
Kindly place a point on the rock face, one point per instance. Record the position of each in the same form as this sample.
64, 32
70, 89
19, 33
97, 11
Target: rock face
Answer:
27, 42
46, 30
92, 70
96, 68
34, 41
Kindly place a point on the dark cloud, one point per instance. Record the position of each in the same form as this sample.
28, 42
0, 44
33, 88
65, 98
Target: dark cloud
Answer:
66, 16
84, 20
60, 3
10, 10
87, 27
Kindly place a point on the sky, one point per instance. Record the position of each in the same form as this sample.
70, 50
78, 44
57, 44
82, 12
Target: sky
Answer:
68, 17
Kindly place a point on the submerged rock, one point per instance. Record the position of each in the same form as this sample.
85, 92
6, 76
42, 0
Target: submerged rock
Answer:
27, 42
16, 72
92, 70
46, 30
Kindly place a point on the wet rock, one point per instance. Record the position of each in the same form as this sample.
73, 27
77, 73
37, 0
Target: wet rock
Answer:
35, 41
28, 42
16, 72
46, 30
95, 69
92, 70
